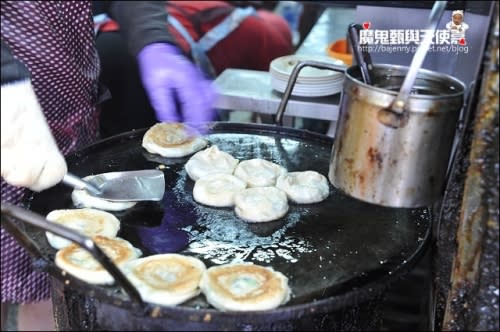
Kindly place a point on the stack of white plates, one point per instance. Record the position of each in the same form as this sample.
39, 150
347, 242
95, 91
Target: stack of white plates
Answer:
311, 82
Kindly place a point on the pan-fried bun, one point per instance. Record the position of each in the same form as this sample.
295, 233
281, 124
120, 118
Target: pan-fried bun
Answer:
244, 287
209, 161
217, 189
89, 222
80, 263
166, 279
259, 172
304, 187
81, 198
261, 204
172, 140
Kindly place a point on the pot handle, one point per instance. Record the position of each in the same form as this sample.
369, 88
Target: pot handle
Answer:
293, 78
10, 212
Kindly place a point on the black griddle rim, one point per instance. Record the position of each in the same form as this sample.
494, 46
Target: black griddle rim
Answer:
345, 295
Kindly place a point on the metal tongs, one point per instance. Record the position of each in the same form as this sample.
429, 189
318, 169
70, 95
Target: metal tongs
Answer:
11, 213
363, 58
143, 185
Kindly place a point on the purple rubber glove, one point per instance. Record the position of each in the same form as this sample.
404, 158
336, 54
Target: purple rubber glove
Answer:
167, 76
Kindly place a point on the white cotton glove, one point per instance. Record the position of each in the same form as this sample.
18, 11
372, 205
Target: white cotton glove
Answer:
30, 156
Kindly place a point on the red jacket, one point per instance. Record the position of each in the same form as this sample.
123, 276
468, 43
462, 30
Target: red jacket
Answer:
253, 45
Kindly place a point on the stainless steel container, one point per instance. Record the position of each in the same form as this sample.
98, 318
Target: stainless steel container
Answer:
402, 164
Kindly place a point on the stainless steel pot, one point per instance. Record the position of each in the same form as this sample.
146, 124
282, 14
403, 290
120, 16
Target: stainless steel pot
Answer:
391, 159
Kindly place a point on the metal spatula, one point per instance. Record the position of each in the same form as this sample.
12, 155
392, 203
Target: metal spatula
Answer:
143, 185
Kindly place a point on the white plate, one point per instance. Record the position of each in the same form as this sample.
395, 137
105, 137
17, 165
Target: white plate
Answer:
282, 87
309, 83
310, 80
282, 68
308, 90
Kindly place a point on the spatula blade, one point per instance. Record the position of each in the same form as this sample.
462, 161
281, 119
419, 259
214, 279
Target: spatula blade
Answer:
143, 185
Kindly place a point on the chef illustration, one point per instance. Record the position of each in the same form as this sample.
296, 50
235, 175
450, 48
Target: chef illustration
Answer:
457, 27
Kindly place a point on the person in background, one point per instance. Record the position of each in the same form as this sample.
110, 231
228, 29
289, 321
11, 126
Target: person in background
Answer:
49, 99
215, 34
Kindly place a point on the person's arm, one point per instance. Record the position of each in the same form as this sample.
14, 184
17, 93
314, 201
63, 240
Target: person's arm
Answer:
169, 77
141, 22
29, 154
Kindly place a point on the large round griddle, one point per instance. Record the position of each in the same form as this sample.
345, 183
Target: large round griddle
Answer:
334, 253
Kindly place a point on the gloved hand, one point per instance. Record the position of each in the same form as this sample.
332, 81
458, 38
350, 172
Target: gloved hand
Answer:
166, 75
30, 156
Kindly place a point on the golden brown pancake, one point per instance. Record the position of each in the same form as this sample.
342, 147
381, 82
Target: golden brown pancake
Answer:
89, 222
172, 140
166, 279
80, 263
244, 287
